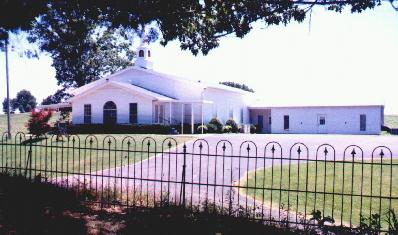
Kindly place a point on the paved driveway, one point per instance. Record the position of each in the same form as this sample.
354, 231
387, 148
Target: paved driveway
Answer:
213, 169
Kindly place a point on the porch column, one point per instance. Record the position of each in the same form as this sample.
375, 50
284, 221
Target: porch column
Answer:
182, 118
192, 120
201, 115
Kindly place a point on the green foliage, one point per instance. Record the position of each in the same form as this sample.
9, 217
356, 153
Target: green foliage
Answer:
5, 105
392, 222
202, 127
82, 49
227, 129
253, 129
211, 128
370, 225
118, 129
38, 123
24, 102
238, 85
214, 125
198, 25
234, 126
59, 96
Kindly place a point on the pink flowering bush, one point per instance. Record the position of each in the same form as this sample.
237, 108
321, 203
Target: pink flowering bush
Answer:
38, 122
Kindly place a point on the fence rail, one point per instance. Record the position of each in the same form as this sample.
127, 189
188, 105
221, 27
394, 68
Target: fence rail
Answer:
266, 183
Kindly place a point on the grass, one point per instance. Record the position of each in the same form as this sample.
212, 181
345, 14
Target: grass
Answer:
80, 153
391, 121
52, 209
341, 178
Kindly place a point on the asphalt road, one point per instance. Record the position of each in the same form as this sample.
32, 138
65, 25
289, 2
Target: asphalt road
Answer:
216, 164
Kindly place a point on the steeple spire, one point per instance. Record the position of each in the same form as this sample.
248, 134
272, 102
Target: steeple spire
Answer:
144, 59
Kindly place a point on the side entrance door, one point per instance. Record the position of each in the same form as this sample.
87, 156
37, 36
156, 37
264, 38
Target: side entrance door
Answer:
260, 123
322, 124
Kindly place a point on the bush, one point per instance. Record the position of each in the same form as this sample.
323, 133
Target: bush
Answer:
217, 124
234, 126
38, 122
202, 127
253, 129
227, 129
211, 128
118, 129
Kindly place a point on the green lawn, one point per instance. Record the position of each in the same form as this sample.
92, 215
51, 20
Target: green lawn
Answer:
80, 153
18, 122
320, 179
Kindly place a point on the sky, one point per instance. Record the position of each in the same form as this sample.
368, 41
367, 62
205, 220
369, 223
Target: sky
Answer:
336, 59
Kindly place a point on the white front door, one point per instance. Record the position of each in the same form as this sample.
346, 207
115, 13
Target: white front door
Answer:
322, 124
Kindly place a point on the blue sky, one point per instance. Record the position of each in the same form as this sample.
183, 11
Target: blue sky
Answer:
337, 59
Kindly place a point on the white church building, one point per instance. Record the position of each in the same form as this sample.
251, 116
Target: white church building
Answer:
140, 95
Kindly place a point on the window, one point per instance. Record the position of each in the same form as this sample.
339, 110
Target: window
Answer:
133, 113
187, 113
269, 120
159, 113
141, 53
286, 122
110, 113
241, 115
322, 120
149, 53
87, 114
362, 124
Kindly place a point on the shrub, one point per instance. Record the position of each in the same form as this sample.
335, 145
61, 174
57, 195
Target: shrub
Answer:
217, 123
119, 129
202, 127
227, 129
253, 129
211, 128
38, 122
234, 126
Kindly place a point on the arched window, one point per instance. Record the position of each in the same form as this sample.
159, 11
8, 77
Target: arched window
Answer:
141, 53
149, 53
110, 113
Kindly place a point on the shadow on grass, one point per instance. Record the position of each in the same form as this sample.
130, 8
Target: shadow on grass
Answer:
28, 207
35, 207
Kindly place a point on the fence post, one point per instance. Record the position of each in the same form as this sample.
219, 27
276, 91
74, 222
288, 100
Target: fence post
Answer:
29, 160
182, 193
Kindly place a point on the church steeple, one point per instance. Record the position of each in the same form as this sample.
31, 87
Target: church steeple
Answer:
144, 59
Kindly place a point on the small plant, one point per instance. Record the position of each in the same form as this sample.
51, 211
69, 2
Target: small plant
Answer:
392, 222
234, 126
253, 129
227, 129
217, 125
370, 225
38, 122
202, 128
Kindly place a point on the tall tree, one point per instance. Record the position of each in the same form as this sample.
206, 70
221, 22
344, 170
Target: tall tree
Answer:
198, 25
82, 49
5, 105
59, 96
25, 101
238, 85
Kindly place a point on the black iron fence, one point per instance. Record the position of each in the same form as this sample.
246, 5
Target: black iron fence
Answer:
263, 181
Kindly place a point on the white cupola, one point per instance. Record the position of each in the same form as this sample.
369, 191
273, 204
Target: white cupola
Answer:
144, 59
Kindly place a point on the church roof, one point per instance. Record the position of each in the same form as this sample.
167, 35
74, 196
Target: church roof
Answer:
125, 86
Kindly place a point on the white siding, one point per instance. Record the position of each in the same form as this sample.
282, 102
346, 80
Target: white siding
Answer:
225, 102
339, 120
120, 97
